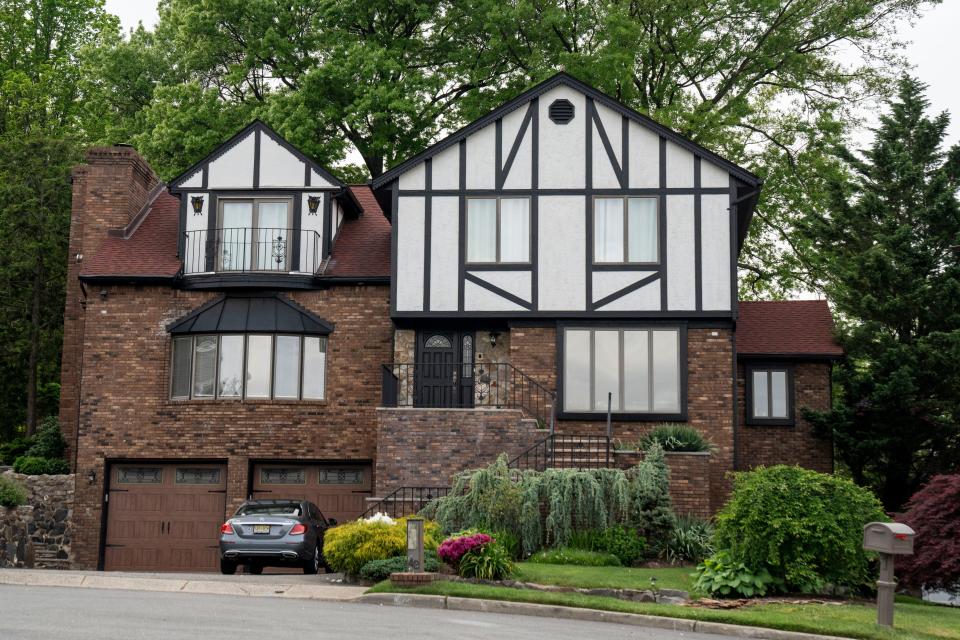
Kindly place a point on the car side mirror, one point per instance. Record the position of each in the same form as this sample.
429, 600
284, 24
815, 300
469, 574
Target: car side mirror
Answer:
331, 521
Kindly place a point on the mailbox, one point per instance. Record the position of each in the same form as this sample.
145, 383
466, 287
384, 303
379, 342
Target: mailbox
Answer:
888, 537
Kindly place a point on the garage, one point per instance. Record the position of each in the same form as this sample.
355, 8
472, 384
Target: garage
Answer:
164, 517
339, 489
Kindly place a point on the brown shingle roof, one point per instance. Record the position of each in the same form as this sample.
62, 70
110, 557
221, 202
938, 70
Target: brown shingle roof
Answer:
151, 250
362, 247
788, 327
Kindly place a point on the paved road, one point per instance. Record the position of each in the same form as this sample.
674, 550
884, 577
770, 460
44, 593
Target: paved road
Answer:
43, 613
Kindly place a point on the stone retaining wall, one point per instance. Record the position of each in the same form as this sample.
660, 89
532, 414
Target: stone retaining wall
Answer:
689, 480
39, 534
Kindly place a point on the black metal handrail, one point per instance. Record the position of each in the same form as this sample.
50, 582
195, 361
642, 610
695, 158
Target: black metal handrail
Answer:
406, 501
565, 451
463, 385
249, 249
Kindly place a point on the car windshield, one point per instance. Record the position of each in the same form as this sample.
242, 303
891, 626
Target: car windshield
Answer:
282, 509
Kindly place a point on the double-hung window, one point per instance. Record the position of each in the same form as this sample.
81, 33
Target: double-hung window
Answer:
498, 230
253, 366
638, 371
769, 395
625, 230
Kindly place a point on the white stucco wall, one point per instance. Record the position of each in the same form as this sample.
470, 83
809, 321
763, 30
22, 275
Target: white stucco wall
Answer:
515, 282
234, 169
481, 154
681, 247
444, 254
279, 167
476, 298
311, 236
409, 219
519, 174
562, 159
604, 176
715, 248
561, 276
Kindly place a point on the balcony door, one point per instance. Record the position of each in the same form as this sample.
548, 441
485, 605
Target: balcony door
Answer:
253, 235
444, 369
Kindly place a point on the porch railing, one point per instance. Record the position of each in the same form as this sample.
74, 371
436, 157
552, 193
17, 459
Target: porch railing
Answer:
245, 249
406, 501
564, 451
460, 385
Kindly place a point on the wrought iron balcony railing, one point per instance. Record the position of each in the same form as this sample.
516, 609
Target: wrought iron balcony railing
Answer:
246, 249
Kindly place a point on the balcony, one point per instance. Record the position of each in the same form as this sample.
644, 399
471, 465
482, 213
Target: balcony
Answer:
467, 385
252, 250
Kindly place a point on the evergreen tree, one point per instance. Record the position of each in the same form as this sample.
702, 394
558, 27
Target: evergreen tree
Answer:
887, 253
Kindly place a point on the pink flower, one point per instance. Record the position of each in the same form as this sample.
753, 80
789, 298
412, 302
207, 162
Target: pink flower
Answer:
453, 549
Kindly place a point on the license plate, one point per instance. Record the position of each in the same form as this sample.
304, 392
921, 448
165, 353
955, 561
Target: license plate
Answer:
261, 528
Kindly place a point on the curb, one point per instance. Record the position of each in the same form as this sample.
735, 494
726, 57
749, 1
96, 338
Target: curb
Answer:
588, 615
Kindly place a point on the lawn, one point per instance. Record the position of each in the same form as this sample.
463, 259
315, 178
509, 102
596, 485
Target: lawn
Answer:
914, 619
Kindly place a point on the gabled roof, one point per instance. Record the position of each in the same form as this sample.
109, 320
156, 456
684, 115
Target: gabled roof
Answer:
243, 313
147, 248
791, 328
256, 125
563, 78
362, 247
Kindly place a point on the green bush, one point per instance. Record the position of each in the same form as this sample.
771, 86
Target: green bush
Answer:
509, 540
349, 546
804, 527
723, 576
48, 441
377, 570
690, 541
11, 493
580, 557
487, 562
547, 508
33, 466
675, 437
626, 544
10, 451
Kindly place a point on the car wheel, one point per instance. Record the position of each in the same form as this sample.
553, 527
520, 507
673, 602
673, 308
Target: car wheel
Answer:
228, 567
255, 569
313, 566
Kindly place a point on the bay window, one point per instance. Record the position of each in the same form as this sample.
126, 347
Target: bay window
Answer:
625, 230
498, 230
253, 366
640, 368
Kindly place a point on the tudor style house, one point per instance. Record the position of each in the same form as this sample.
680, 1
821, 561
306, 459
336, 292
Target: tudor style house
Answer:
548, 282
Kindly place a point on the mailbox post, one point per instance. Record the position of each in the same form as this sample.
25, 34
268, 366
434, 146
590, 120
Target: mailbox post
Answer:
889, 539
414, 545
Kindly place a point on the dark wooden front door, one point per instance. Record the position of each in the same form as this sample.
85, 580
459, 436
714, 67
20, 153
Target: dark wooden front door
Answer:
444, 369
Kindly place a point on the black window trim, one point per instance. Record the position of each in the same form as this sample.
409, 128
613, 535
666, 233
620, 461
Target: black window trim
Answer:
626, 232
769, 367
562, 414
497, 261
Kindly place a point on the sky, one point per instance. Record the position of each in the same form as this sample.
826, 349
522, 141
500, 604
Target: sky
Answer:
930, 37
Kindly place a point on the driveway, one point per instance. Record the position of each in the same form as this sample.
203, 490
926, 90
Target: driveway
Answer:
40, 613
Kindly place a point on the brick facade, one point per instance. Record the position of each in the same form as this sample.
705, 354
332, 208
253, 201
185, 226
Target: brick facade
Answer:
797, 444
689, 480
426, 447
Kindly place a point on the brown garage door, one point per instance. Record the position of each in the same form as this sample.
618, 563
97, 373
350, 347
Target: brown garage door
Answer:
340, 490
164, 517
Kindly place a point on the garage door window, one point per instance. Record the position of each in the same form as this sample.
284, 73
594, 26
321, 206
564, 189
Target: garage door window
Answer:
256, 366
139, 475
283, 476
197, 476
341, 476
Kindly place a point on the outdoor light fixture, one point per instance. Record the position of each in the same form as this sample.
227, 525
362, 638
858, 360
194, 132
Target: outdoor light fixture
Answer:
493, 338
103, 294
92, 476
313, 203
197, 203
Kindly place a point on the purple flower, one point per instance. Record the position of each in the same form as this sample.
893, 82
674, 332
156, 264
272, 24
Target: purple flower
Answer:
453, 549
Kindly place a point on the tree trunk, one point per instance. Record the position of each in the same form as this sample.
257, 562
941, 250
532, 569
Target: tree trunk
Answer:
375, 165
34, 352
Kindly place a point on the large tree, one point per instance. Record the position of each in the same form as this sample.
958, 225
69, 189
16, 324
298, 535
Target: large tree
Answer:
887, 253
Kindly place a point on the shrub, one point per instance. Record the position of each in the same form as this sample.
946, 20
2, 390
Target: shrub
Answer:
689, 541
721, 575
349, 546
549, 507
378, 570
11, 493
580, 557
510, 541
934, 513
48, 441
489, 561
454, 548
804, 527
675, 437
622, 542
34, 466
10, 451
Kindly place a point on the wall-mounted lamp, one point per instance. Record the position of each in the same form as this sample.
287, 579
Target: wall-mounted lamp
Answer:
197, 203
313, 203
103, 294
92, 476
493, 338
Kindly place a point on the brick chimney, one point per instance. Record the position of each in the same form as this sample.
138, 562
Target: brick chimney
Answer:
109, 189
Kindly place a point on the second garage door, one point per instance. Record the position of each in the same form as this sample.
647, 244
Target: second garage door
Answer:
340, 490
164, 517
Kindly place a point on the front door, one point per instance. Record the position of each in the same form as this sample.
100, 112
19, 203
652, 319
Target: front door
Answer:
444, 369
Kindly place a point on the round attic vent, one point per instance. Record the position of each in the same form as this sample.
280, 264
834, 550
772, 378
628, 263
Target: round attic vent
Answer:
561, 111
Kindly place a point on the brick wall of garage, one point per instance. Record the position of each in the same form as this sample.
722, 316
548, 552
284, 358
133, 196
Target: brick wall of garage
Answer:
533, 350
125, 411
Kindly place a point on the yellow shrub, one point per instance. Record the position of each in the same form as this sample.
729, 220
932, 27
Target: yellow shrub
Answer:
349, 546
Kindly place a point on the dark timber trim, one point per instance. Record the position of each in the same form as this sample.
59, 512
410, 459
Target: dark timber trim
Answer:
256, 158
662, 221
504, 171
614, 163
462, 223
588, 206
630, 288
506, 193
535, 202
492, 288
427, 230
768, 366
394, 198
697, 240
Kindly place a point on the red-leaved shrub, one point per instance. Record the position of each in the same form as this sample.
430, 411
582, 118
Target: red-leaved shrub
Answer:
452, 550
934, 513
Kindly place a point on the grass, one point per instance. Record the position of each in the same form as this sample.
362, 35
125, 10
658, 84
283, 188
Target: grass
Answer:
914, 619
